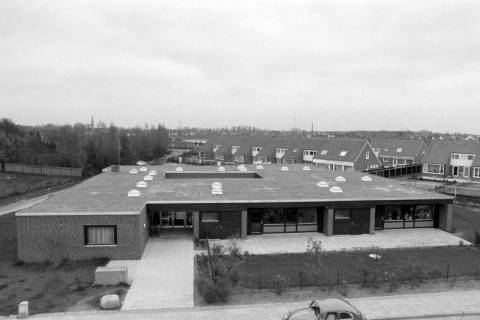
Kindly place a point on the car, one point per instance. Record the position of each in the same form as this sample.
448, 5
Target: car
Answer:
328, 309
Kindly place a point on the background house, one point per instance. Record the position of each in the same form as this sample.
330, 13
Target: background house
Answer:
399, 152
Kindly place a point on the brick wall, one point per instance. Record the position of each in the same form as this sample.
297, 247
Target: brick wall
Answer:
42, 237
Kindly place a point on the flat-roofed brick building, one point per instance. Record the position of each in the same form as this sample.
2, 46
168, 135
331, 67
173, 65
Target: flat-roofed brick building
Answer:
113, 214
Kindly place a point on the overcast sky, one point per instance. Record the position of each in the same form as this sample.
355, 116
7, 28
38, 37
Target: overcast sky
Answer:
274, 64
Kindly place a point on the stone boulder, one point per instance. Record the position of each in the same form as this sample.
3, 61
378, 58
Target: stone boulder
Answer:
110, 301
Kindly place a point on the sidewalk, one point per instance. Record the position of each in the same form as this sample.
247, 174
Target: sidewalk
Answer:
387, 307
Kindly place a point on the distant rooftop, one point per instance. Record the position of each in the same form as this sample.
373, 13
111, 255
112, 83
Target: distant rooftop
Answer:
107, 192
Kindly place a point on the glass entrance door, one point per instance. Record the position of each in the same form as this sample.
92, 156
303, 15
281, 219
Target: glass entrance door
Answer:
175, 219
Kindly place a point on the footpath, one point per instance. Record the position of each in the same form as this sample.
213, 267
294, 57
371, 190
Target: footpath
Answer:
444, 305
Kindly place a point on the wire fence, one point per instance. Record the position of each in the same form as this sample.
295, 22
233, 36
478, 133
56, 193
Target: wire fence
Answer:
454, 190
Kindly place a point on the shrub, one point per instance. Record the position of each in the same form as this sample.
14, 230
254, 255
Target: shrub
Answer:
217, 251
477, 238
392, 280
215, 291
369, 279
343, 288
313, 246
280, 283
233, 249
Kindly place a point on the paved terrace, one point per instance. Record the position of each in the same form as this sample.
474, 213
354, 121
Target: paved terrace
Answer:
382, 239
388, 307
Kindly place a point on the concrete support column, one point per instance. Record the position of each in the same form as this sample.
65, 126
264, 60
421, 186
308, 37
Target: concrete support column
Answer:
371, 229
243, 229
328, 222
196, 224
445, 219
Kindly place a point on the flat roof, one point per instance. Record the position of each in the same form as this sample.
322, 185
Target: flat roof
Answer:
107, 192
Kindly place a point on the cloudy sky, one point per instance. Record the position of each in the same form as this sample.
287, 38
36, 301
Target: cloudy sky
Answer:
273, 64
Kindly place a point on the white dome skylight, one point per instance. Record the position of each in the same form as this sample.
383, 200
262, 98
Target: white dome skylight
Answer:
242, 167
143, 169
259, 167
217, 188
336, 189
179, 169
284, 168
148, 178
216, 185
141, 163
366, 178
306, 168
221, 169
134, 193
133, 171
142, 184
340, 179
322, 184
152, 173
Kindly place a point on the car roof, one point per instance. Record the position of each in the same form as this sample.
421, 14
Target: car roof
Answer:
336, 305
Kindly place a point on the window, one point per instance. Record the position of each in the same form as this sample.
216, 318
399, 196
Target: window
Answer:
345, 316
239, 158
280, 150
476, 172
399, 149
470, 157
100, 235
216, 147
343, 153
235, 149
433, 168
309, 152
209, 216
220, 156
367, 155
324, 152
342, 214
455, 156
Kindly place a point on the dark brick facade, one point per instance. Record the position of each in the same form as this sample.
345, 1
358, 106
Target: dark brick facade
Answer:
47, 237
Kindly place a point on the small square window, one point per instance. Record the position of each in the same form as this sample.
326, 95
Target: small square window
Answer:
209, 216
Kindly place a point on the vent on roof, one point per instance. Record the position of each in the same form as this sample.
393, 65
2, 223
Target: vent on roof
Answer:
259, 167
148, 178
284, 168
306, 168
217, 188
322, 184
141, 163
179, 169
133, 171
366, 178
134, 193
143, 169
152, 173
221, 169
340, 179
142, 184
336, 189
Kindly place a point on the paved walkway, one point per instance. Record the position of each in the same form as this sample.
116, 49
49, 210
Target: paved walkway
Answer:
385, 239
164, 276
413, 306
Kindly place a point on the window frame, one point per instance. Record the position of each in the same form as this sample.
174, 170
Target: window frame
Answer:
440, 171
85, 235
476, 172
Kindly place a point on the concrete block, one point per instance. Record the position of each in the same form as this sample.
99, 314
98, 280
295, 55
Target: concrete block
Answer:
23, 310
110, 301
111, 276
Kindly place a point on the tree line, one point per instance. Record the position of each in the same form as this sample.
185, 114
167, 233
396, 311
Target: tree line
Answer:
91, 147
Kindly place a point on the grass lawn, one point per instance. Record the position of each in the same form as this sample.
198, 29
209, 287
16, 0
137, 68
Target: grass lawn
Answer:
47, 288
260, 270
17, 186
466, 219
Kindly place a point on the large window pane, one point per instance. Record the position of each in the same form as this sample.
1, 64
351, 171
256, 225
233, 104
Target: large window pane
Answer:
307, 215
342, 214
291, 216
274, 216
